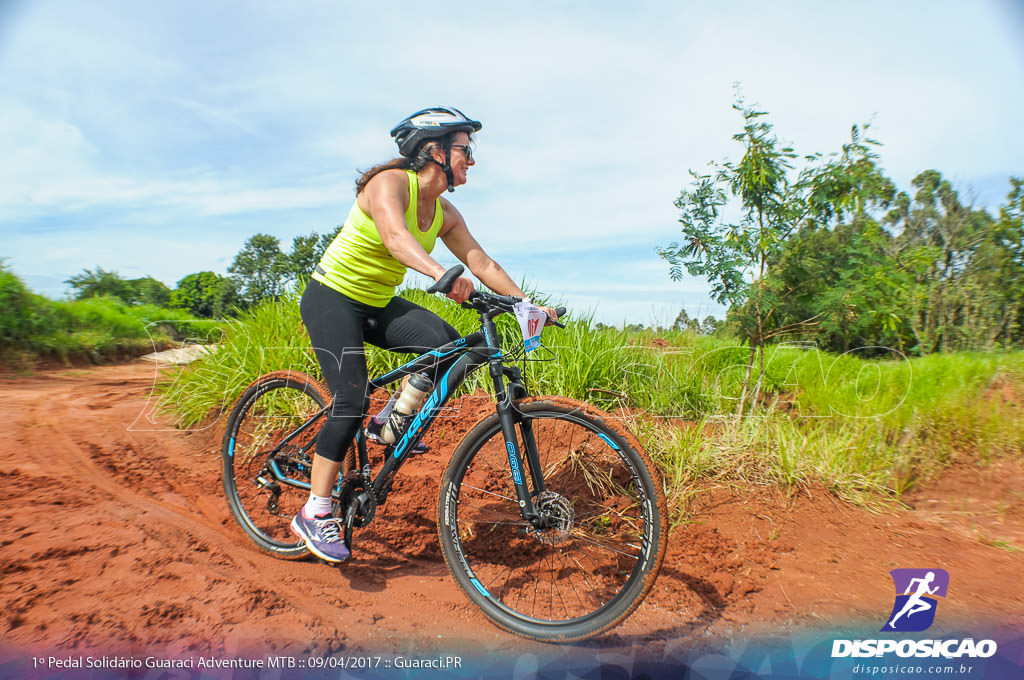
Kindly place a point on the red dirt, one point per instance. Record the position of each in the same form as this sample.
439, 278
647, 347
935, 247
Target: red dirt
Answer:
116, 538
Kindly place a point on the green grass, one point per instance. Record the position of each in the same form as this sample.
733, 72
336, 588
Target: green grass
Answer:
583, 364
866, 430
95, 329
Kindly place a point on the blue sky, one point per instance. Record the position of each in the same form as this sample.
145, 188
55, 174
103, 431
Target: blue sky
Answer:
153, 138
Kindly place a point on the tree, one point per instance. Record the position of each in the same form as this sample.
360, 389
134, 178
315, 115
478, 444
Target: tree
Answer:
100, 282
958, 262
1003, 259
844, 279
17, 313
683, 322
149, 291
772, 201
205, 294
260, 269
710, 325
931, 274
144, 290
306, 253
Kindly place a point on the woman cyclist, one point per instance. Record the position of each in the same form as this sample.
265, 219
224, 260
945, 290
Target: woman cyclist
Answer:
393, 225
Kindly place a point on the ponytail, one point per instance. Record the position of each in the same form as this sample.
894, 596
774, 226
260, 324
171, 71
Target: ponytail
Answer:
367, 175
416, 162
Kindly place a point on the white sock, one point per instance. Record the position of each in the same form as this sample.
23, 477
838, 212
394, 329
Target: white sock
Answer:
317, 506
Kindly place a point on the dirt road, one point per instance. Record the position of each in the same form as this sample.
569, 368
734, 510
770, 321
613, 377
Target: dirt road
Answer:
115, 537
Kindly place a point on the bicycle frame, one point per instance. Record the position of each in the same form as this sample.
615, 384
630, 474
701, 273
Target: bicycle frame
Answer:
465, 355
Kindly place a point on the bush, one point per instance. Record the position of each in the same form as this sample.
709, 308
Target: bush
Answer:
96, 328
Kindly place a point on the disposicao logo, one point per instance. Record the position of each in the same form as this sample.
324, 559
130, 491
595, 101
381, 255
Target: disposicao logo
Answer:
917, 591
916, 601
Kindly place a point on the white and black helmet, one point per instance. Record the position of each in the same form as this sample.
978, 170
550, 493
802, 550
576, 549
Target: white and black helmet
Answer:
421, 126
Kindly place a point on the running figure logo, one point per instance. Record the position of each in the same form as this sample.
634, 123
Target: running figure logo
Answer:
916, 591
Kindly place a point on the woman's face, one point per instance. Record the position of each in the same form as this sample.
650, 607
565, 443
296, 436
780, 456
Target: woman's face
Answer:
461, 157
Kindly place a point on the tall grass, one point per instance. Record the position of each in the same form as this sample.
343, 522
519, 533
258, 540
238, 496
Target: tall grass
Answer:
865, 429
33, 326
578, 363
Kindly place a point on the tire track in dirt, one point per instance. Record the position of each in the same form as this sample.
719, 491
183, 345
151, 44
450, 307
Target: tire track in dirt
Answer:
181, 544
118, 539
149, 515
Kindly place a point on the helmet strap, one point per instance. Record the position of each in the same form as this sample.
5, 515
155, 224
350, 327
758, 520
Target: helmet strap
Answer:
447, 165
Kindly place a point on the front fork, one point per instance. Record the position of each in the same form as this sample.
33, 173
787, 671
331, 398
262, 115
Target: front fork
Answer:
512, 419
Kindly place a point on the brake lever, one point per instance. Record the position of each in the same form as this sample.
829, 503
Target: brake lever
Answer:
468, 304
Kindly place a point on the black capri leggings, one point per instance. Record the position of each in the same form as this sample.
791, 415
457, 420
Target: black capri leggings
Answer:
338, 326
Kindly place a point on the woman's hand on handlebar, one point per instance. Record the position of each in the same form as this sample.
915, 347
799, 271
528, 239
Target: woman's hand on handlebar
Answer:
552, 315
462, 287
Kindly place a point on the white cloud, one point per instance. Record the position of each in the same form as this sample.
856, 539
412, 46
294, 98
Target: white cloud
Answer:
245, 117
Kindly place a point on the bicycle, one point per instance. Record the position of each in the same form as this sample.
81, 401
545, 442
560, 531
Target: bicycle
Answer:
551, 516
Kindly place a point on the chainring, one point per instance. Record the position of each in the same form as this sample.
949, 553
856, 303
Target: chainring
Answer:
355, 490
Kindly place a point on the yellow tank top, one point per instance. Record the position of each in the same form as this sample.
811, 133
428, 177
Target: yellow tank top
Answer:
357, 263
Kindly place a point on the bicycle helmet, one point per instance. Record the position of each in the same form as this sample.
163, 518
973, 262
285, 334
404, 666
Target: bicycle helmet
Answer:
437, 122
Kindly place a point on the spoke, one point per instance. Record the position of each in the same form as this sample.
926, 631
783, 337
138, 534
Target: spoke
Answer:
490, 493
572, 584
510, 523
508, 575
587, 539
497, 440
505, 522
590, 559
554, 579
519, 593
536, 588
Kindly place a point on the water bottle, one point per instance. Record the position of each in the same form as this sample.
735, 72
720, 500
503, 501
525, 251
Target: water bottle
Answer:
409, 401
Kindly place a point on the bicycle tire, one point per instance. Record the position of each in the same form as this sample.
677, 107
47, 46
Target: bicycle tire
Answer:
270, 409
590, 570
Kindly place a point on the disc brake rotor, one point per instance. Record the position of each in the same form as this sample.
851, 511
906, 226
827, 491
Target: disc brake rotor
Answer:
557, 516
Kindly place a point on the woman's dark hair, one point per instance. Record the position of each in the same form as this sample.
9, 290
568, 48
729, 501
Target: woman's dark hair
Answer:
415, 162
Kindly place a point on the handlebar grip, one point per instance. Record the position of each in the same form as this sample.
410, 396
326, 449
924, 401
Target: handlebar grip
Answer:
444, 284
560, 312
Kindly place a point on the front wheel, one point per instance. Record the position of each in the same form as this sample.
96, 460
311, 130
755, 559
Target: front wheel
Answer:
602, 540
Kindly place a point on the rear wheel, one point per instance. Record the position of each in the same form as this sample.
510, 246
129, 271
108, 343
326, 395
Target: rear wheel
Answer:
604, 533
267, 457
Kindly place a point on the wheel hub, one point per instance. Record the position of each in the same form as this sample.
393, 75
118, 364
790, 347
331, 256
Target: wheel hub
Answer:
557, 517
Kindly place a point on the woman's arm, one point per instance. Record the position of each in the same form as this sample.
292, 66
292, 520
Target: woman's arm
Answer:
385, 200
457, 238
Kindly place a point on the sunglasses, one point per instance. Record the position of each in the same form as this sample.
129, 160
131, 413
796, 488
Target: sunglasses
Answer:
466, 149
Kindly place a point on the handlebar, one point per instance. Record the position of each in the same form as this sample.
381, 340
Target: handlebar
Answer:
481, 301
444, 284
